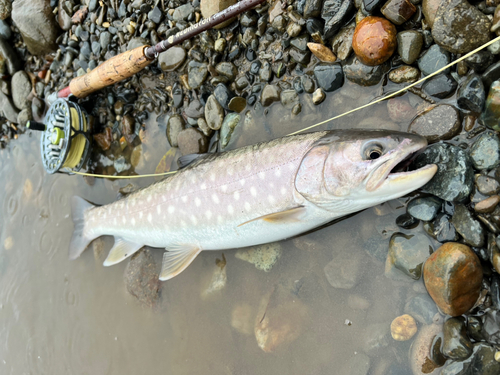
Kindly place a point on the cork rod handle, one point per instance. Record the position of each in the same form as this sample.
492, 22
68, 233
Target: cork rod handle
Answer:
111, 71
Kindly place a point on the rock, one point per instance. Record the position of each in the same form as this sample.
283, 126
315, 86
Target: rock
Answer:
485, 151
228, 125
479, 61
134, 43
487, 185
318, 96
406, 221
470, 229
192, 141
63, 17
329, 77
172, 58
403, 328
400, 110
407, 253
323, 53
264, 257
227, 69
491, 112
429, 9
120, 164
362, 74
420, 355
104, 139
410, 44
342, 42
7, 108
195, 109
471, 94
374, 40
5, 32
398, 11
280, 319
456, 344
237, 104
270, 94
459, 27
453, 277
8, 58
437, 123
434, 59
265, 72
299, 56
424, 209
197, 73
482, 361
344, 271
442, 229
487, 205
312, 8
210, 7
307, 84
223, 95
5, 9
219, 278
141, 278
289, 98
37, 25
334, 12
175, 125
441, 86
21, 88
422, 308
404, 74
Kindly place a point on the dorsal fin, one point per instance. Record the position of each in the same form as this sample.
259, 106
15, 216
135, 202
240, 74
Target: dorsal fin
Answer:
288, 216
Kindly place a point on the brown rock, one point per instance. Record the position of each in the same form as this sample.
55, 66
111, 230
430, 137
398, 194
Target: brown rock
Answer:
192, 141
403, 328
398, 11
487, 205
210, 7
429, 8
104, 139
453, 276
63, 17
141, 278
80, 15
322, 52
5, 9
404, 73
374, 40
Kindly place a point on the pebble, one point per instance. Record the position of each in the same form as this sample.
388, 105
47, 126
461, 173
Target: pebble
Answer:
459, 27
410, 44
318, 96
289, 98
329, 77
172, 58
265, 72
374, 40
5, 32
228, 125
453, 277
485, 151
175, 125
197, 73
441, 86
270, 94
403, 328
434, 59
141, 278
406, 221
491, 112
192, 141
400, 110
429, 9
422, 308
263, 257
9, 57
312, 8
482, 361
342, 42
456, 344
21, 88
214, 113
407, 253
237, 104
398, 11
5, 9
424, 209
402, 74
322, 52
364, 75
442, 229
437, 123
470, 229
479, 61
227, 69
471, 95
487, 185
421, 351
487, 205
334, 12
343, 271
223, 95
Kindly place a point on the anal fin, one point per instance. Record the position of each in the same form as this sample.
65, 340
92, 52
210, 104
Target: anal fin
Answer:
121, 250
291, 215
177, 259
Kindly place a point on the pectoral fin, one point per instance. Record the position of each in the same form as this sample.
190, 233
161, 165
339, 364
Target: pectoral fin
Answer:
121, 250
291, 215
176, 260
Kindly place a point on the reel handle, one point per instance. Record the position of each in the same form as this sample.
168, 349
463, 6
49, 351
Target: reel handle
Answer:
34, 125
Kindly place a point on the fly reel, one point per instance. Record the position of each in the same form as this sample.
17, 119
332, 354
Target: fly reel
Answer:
65, 143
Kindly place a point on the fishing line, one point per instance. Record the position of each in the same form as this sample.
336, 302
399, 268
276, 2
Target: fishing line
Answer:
497, 39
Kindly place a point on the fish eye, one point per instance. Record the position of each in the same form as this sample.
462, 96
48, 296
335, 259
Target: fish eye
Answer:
374, 151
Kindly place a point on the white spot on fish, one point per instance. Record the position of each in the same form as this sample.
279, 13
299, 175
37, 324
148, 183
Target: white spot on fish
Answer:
197, 202
291, 166
141, 214
184, 198
164, 198
149, 198
230, 171
150, 218
171, 209
114, 221
262, 175
242, 182
283, 191
219, 219
271, 199
208, 214
158, 209
247, 206
194, 220
248, 167
253, 191
133, 221
212, 177
203, 186
230, 209
224, 188
277, 173
193, 178
215, 198
236, 195
124, 220
183, 223
271, 185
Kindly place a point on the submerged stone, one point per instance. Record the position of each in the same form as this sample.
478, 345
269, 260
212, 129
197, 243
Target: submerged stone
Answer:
141, 278
440, 86
482, 361
175, 125
364, 75
437, 123
471, 94
456, 344
442, 229
343, 271
422, 308
330, 77
172, 58
434, 59
403, 328
407, 253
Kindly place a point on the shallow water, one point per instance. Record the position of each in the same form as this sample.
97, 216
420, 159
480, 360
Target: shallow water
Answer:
76, 317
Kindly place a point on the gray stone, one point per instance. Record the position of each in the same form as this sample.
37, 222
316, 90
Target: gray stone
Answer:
485, 151
228, 125
172, 58
437, 123
334, 12
141, 278
425, 208
344, 271
175, 125
434, 59
364, 75
407, 253
330, 77
289, 98
410, 44
482, 361
270, 94
182, 12
471, 95
470, 229
7, 108
197, 74
5, 32
21, 88
192, 141
9, 58
214, 113
456, 344
227, 69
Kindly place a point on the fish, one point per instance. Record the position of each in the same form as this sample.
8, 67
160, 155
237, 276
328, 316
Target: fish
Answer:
253, 195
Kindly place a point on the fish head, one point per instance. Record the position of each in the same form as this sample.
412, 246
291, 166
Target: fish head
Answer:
359, 168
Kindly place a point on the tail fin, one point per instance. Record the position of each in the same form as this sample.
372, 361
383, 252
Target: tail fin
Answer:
79, 242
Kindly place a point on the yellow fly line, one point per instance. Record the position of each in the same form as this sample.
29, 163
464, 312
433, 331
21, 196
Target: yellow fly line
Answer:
497, 39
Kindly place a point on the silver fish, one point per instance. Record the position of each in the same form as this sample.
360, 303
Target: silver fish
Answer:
254, 195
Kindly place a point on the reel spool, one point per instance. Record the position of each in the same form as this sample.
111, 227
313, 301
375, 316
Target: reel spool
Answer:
65, 143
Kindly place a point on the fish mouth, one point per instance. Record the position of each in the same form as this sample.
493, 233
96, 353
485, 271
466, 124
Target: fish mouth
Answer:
393, 175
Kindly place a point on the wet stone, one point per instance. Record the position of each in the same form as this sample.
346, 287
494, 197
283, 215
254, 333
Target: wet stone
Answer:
485, 151
482, 361
442, 229
265, 72
237, 104
487, 205
329, 77
299, 56
453, 277
307, 84
400, 110
227, 128
398, 11
456, 344
214, 113
471, 95
479, 61
440, 86
334, 12
344, 271
491, 112
342, 42
404, 74
289, 98
141, 278
121, 164
270, 94
406, 221
223, 95
487, 185
175, 125
459, 27
422, 308
376, 338
177, 95
318, 96
197, 73
364, 75
374, 40
227, 69
322, 52
9, 57
437, 123
21, 88
470, 229
192, 141
312, 8
407, 253
172, 58
424, 209
155, 15
410, 44
195, 109
403, 328
263, 257
434, 59
371, 5
495, 291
